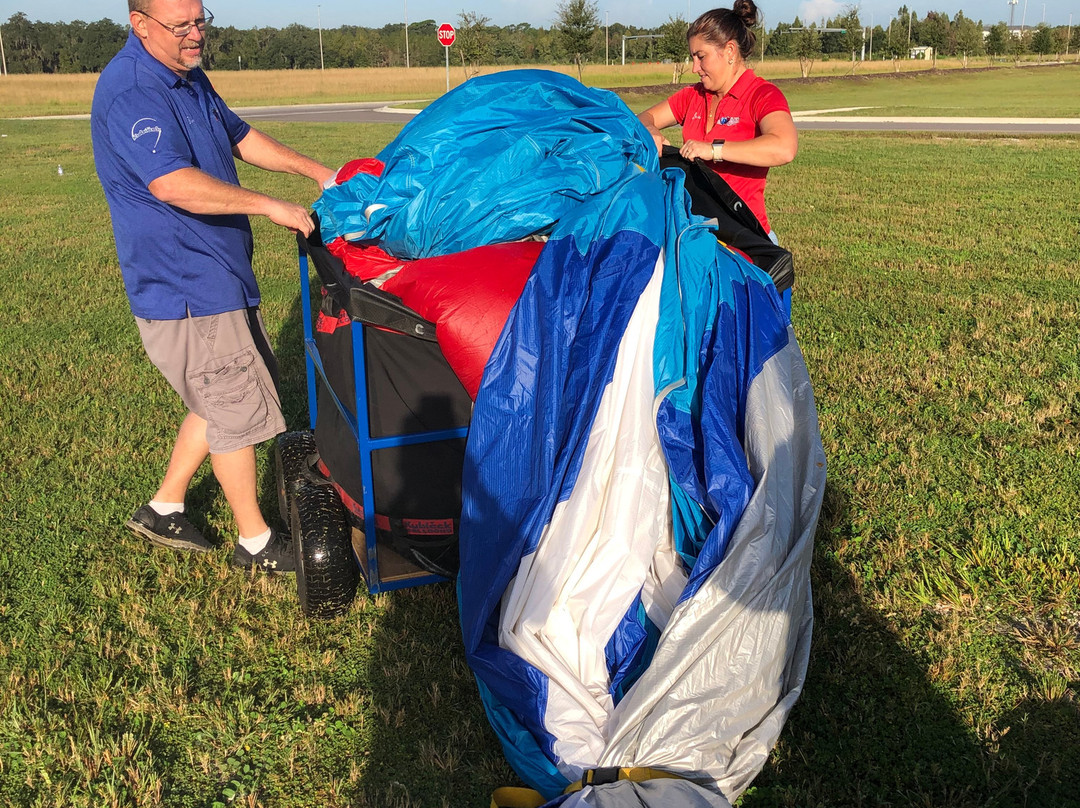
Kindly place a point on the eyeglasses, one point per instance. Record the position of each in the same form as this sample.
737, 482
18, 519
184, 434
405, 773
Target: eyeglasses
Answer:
184, 30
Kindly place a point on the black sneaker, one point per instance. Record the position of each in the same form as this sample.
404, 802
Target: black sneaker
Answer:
276, 556
172, 530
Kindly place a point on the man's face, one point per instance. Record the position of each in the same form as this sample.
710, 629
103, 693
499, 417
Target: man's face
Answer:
178, 53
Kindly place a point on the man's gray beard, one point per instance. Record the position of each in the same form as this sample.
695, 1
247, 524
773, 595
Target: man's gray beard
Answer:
192, 65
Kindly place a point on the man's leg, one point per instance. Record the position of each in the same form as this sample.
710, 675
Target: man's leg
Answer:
163, 521
257, 545
235, 471
189, 452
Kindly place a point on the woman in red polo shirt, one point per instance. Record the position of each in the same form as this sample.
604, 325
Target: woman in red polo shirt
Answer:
735, 120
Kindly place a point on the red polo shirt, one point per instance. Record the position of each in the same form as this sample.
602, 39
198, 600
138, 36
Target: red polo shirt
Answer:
737, 118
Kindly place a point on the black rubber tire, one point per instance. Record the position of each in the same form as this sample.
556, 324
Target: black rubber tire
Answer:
327, 574
291, 451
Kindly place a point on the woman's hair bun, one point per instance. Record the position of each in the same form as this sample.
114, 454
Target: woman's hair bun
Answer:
746, 11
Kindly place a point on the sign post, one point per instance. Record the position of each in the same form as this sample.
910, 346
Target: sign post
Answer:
446, 34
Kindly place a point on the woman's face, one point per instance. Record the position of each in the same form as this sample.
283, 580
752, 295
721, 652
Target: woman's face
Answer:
711, 63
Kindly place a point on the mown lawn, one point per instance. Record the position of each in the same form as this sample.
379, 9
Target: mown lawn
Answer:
937, 307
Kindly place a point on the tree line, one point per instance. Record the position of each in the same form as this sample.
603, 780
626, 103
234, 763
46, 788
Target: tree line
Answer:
577, 36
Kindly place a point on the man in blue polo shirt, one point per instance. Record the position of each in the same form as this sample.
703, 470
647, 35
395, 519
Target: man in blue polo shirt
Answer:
164, 145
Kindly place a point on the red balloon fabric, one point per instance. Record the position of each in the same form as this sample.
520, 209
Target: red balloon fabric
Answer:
468, 295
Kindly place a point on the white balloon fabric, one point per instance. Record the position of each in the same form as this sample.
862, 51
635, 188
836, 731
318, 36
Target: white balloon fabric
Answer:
644, 470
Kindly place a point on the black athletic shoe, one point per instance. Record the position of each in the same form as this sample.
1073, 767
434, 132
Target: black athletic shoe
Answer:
276, 556
172, 530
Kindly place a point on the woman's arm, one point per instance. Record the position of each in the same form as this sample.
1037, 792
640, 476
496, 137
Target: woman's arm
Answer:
656, 118
775, 146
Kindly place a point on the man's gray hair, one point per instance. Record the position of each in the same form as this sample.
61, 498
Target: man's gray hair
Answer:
138, 5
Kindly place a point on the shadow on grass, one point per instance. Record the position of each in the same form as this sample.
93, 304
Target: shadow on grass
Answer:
425, 740
871, 729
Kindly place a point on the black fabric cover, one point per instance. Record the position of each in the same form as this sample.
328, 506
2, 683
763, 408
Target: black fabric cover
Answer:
737, 226
410, 388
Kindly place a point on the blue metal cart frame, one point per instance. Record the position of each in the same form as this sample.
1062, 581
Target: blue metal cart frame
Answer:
365, 443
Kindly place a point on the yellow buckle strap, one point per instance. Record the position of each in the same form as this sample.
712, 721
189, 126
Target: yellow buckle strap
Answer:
638, 774
513, 797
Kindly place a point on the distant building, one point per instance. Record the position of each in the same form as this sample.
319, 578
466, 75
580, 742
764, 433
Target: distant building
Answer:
1016, 30
921, 52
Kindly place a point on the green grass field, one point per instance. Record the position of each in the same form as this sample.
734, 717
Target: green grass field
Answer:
937, 307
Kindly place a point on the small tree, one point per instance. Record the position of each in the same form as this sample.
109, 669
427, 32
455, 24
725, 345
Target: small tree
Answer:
577, 22
895, 44
934, 32
853, 33
1018, 45
1042, 41
807, 47
997, 42
1061, 40
672, 45
969, 38
474, 42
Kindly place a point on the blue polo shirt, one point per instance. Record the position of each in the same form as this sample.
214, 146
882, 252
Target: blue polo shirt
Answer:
147, 122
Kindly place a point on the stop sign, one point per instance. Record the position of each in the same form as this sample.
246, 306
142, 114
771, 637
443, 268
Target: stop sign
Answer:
446, 35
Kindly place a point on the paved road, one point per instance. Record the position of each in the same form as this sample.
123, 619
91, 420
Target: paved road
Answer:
361, 112
383, 112
833, 119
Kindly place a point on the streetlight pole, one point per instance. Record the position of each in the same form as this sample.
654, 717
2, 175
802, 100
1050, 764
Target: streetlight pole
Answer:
607, 37
3, 58
322, 66
406, 33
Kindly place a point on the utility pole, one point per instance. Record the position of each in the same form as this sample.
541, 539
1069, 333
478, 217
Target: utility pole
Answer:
319, 12
3, 59
1023, 20
406, 33
1012, 13
607, 37
909, 30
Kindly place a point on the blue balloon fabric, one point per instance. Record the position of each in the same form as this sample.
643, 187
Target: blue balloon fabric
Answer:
643, 472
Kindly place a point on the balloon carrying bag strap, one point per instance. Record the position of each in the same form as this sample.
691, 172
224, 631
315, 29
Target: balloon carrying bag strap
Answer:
511, 797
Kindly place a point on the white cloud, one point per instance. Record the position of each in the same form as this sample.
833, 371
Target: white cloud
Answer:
818, 10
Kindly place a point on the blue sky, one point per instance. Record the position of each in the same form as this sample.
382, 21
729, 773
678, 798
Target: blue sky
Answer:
645, 13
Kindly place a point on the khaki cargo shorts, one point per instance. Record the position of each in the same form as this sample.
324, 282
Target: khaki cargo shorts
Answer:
224, 370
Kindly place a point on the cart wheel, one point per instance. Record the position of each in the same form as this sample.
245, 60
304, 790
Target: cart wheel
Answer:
326, 570
291, 451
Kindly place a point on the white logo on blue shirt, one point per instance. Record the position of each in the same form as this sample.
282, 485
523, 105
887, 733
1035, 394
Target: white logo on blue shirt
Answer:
146, 126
